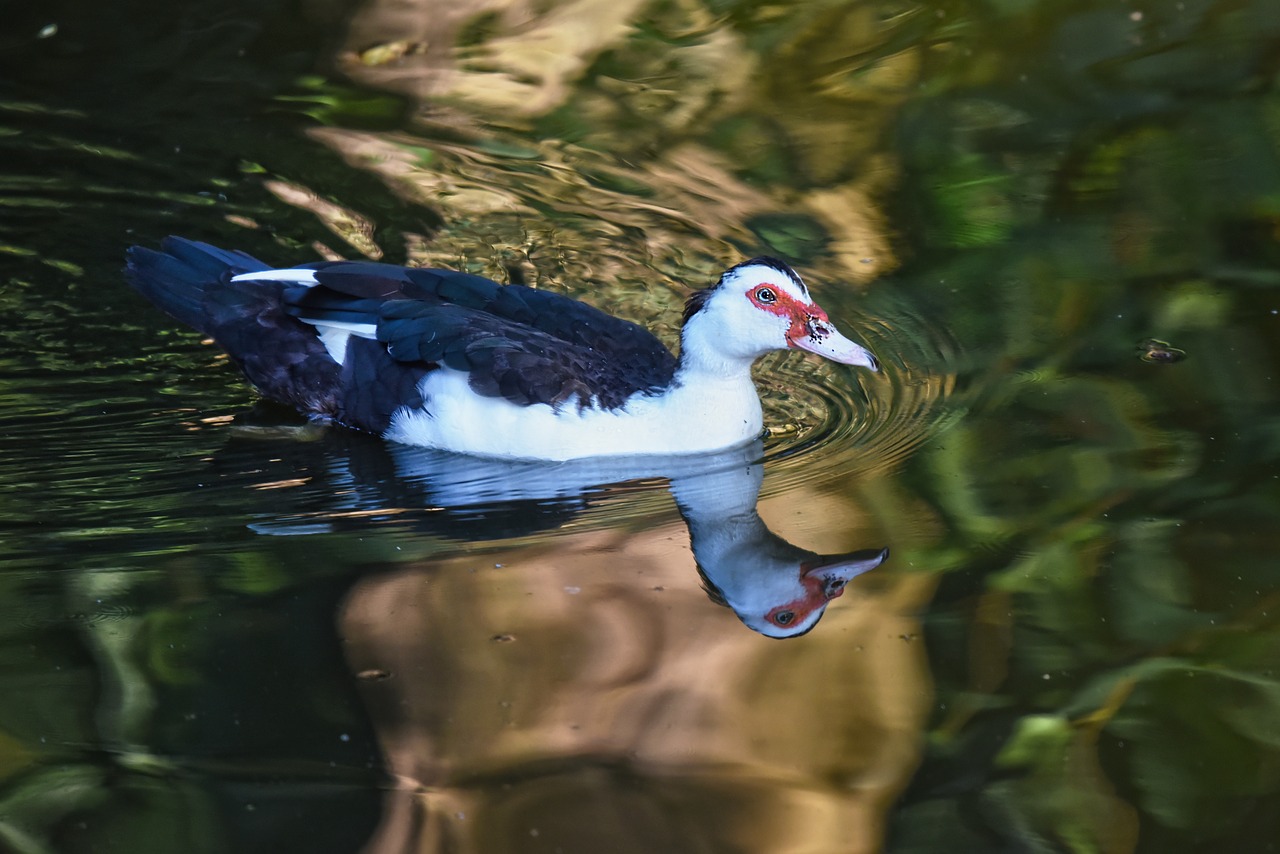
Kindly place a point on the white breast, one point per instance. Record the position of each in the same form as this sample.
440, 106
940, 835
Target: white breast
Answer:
713, 416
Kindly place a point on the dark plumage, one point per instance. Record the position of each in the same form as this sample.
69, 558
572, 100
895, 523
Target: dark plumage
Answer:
525, 345
279, 355
515, 342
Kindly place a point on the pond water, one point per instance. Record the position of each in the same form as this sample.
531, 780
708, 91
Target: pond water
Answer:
1057, 224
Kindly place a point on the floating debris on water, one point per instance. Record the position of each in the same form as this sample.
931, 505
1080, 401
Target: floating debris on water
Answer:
1160, 352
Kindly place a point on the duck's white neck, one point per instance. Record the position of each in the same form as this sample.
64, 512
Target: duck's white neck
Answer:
711, 402
707, 408
710, 350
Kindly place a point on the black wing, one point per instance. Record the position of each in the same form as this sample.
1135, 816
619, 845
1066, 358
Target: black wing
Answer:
526, 345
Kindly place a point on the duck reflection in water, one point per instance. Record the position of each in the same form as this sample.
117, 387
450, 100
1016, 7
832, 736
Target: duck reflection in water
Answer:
775, 588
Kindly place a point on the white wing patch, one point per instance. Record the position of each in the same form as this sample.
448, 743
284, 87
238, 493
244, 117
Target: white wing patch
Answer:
334, 335
335, 341
295, 276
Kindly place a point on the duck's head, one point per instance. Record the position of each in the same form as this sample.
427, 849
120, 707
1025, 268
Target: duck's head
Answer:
781, 591
758, 306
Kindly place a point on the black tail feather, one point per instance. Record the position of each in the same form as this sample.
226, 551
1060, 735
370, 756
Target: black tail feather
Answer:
175, 278
279, 354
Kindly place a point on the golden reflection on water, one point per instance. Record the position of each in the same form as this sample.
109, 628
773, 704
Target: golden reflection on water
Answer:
532, 698
663, 131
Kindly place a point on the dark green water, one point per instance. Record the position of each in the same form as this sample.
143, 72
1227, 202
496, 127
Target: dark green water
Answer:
1057, 224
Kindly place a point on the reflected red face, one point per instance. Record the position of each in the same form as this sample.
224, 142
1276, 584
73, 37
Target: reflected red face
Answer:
818, 591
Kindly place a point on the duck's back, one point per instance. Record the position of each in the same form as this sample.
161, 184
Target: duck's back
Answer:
354, 341
525, 345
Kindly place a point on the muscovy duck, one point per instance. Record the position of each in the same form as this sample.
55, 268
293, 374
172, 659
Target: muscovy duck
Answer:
455, 361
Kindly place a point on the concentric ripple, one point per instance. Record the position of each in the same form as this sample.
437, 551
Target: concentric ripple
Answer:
832, 422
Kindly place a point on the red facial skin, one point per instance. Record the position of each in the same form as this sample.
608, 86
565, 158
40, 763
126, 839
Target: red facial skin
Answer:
817, 593
806, 320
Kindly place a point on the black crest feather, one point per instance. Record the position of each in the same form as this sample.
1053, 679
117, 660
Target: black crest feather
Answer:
698, 299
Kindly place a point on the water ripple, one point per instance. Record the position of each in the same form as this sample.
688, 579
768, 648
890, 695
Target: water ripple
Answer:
838, 422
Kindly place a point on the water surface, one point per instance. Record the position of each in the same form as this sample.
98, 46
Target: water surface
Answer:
225, 629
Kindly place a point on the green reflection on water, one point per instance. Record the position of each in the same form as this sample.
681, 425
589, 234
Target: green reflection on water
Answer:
1100, 615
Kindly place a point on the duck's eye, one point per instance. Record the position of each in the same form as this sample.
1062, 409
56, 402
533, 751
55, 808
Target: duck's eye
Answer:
766, 296
782, 618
